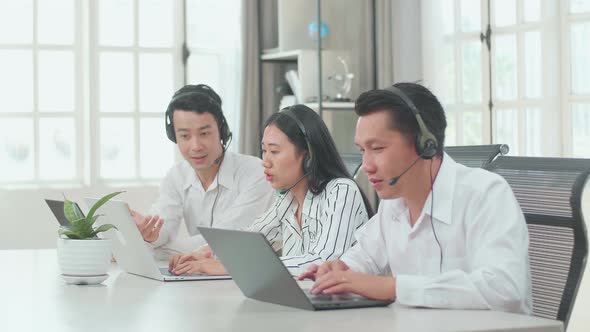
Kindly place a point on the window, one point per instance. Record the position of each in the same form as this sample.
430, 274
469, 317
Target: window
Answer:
458, 75
134, 48
518, 99
84, 84
577, 73
522, 76
40, 91
214, 51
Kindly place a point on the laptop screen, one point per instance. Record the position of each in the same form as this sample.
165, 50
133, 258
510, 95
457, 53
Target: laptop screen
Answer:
57, 207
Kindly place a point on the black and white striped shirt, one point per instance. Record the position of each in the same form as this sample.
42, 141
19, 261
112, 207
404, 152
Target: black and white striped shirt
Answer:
328, 223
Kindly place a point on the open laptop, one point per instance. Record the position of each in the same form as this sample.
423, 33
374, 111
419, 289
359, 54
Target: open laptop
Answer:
260, 274
131, 251
57, 208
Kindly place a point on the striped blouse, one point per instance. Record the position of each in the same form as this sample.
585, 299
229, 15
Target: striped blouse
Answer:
329, 221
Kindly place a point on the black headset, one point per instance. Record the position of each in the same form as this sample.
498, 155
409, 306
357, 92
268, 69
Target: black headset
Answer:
307, 160
426, 142
213, 107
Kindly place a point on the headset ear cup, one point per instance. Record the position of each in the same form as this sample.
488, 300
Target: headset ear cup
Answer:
430, 149
419, 144
307, 160
306, 163
426, 146
224, 133
170, 127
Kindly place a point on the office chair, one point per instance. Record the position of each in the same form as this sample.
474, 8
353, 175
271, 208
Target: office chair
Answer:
549, 191
353, 162
476, 155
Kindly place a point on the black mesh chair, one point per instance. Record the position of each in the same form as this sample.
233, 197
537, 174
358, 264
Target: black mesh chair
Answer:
549, 191
352, 161
476, 155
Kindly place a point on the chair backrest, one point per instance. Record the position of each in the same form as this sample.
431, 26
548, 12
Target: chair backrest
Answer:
352, 161
549, 191
476, 155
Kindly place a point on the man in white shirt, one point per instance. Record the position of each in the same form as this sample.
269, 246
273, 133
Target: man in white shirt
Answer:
445, 235
211, 187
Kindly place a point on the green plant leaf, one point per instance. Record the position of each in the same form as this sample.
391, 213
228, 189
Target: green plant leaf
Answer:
66, 231
94, 218
103, 228
78, 221
98, 204
82, 228
71, 210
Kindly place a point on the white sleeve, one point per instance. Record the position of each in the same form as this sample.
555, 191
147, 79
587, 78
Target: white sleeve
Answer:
368, 255
344, 212
497, 253
169, 207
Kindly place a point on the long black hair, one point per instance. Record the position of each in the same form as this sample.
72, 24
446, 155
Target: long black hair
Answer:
326, 163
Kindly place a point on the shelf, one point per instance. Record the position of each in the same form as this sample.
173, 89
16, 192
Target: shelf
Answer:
273, 55
345, 106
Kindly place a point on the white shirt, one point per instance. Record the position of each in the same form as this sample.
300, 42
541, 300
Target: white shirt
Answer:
238, 194
329, 221
484, 240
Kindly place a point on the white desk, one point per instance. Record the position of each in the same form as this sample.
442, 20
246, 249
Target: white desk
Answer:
34, 298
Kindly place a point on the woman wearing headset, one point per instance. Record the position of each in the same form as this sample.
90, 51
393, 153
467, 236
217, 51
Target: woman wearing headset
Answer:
319, 206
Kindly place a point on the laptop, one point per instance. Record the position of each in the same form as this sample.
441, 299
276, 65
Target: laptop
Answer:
132, 253
57, 208
260, 274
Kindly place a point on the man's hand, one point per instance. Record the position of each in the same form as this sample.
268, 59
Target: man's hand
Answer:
209, 266
148, 226
202, 253
316, 271
348, 281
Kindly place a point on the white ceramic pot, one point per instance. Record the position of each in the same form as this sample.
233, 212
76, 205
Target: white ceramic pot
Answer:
84, 257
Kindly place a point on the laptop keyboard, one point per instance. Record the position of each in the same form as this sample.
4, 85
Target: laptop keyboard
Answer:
328, 298
164, 271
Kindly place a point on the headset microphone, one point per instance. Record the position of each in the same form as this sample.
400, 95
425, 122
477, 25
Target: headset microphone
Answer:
395, 179
284, 191
426, 151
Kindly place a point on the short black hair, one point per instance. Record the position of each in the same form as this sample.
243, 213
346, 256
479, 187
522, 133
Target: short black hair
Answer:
402, 118
200, 98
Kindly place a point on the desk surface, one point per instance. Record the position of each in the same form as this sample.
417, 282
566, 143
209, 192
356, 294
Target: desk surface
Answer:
34, 298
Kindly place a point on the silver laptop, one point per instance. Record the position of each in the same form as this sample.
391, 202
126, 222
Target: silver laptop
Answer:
130, 250
261, 275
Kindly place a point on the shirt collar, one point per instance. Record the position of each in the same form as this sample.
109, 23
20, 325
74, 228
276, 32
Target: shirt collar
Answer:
225, 177
290, 202
226, 173
444, 189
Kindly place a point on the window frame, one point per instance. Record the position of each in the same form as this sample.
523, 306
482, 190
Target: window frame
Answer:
568, 98
95, 116
77, 114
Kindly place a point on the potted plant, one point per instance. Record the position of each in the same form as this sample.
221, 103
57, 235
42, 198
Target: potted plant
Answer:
83, 257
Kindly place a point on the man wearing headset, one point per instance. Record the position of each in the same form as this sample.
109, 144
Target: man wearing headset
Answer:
211, 187
445, 235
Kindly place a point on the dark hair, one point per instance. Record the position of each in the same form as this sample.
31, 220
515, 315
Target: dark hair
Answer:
326, 163
402, 118
199, 98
